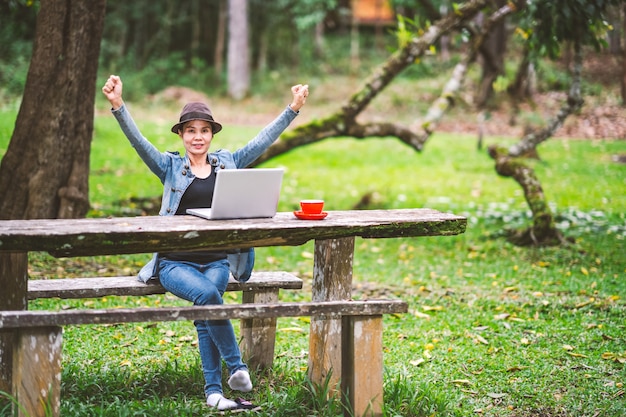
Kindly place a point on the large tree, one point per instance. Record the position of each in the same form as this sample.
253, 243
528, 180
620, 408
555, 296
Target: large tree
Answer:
238, 49
44, 172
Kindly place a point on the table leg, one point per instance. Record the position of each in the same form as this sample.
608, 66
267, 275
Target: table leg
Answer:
332, 280
37, 371
14, 284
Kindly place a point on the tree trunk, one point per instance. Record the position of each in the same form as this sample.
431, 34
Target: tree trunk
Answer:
543, 231
523, 86
492, 53
528, 144
446, 100
319, 40
238, 49
220, 42
624, 56
512, 163
45, 169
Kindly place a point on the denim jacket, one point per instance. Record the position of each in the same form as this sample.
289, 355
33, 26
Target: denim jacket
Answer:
174, 171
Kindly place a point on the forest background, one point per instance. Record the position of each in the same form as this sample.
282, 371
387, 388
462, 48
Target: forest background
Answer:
494, 329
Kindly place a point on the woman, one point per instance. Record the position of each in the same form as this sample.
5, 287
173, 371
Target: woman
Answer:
188, 182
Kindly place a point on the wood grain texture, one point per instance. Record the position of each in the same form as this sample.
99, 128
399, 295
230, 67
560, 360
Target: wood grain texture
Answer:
330, 309
332, 280
129, 285
362, 365
37, 367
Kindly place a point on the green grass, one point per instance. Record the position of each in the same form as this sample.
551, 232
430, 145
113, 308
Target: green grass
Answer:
493, 329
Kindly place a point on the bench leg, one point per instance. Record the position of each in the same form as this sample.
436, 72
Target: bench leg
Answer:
37, 371
362, 365
258, 336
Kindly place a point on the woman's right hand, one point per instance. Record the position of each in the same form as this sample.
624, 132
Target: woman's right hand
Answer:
112, 90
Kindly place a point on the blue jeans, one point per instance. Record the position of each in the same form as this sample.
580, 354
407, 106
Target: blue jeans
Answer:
204, 284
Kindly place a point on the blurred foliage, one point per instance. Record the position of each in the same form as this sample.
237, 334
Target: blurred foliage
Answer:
165, 42
549, 25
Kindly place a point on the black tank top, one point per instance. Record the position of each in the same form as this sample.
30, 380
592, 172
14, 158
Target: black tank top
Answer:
199, 194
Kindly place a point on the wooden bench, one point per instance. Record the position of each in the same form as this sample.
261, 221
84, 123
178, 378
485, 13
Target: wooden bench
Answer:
39, 336
258, 335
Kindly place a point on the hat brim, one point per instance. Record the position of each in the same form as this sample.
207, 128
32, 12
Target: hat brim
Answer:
215, 127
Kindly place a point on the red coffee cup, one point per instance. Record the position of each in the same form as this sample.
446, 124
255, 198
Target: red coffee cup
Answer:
312, 206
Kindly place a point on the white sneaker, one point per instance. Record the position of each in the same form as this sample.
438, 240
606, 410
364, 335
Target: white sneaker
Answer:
240, 381
218, 401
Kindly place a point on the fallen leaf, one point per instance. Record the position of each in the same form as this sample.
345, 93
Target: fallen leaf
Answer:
495, 395
417, 362
127, 344
585, 303
185, 338
617, 357
432, 308
577, 355
462, 382
422, 315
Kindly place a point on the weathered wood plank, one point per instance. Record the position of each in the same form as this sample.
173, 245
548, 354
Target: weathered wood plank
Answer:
13, 276
37, 371
129, 285
332, 280
258, 335
86, 237
26, 319
362, 365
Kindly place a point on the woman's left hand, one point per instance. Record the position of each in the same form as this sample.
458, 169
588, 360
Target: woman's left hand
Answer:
300, 93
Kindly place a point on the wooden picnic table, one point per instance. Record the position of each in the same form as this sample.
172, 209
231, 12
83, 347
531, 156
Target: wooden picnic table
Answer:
333, 255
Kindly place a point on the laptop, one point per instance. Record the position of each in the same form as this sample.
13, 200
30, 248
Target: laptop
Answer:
243, 194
